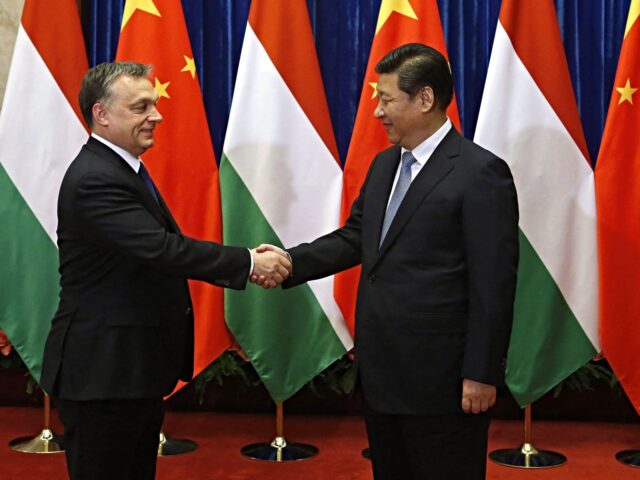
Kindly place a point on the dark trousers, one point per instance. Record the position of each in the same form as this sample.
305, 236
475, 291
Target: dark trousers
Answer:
447, 447
111, 439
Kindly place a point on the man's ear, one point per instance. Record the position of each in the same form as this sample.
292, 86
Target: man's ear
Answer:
100, 114
427, 99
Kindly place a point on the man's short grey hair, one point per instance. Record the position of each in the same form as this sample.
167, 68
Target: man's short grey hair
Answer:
96, 84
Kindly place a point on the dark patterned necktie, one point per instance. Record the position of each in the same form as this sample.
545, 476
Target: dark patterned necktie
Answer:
146, 178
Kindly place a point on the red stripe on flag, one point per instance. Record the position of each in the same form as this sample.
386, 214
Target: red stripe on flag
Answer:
532, 27
55, 31
275, 23
618, 206
369, 137
182, 161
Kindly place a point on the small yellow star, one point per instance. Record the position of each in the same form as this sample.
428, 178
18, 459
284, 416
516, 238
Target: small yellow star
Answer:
387, 7
190, 66
626, 93
374, 85
132, 5
161, 88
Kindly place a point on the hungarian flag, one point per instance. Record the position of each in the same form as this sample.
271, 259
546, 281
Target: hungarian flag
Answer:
529, 117
618, 200
181, 162
40, 134
281, 183
399, 22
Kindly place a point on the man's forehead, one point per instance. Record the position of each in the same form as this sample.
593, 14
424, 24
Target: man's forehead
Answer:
387, 81
134, 86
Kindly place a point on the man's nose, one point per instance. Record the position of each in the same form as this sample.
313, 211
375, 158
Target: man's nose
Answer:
155, 115
378, 112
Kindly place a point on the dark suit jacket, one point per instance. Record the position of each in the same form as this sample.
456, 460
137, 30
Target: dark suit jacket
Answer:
435, 301
124, 325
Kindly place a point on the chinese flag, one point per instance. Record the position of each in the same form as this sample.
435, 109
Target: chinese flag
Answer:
182, 161
618, 207
399, 22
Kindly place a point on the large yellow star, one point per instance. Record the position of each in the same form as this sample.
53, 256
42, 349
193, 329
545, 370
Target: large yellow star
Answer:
374, 85
190, 66
634, 13
626, 93
132, 5
387, 7
161, 88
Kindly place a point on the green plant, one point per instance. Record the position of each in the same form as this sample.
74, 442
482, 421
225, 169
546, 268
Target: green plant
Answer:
339, 377
588, 377
229, 364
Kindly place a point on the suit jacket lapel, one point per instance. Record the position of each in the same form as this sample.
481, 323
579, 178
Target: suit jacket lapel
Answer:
437, 167
159, 211
380, 187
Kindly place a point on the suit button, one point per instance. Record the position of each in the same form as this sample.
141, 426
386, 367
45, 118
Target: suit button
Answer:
372, 278
187, 311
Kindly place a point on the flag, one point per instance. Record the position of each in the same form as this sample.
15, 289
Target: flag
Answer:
618, 201
40, 134
399, 22
281, 183
528, 117
182, 161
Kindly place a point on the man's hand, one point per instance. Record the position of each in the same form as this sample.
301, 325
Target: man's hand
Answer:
477, 397
271, 266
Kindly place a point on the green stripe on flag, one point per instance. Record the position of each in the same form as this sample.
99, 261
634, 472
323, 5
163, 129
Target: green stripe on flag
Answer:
285, 333
28, 275
547, 344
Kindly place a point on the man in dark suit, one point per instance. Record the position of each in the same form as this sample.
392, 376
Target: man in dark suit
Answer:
435, 228
123, 333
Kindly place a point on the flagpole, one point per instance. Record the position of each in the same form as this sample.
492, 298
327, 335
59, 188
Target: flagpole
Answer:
45, 442
527, 456
279, 450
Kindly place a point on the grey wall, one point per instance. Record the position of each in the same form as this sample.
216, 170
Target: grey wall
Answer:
10, 11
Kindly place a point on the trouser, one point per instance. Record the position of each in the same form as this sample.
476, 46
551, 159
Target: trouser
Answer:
111, 439
413, 447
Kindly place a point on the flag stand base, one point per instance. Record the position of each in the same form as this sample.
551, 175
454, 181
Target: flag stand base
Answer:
631, 458
174, 446
46, 442
279, 450
527, 456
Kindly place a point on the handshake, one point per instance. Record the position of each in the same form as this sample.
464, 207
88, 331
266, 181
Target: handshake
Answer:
271, 266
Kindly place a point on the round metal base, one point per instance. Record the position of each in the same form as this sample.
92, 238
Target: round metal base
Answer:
174, 446
279, 451
46, 442
366, 453
527, 457
630, 458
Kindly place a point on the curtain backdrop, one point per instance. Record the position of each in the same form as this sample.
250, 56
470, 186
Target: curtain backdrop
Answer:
343, 29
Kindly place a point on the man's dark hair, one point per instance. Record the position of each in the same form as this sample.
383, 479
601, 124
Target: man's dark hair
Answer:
420, 66
96, 84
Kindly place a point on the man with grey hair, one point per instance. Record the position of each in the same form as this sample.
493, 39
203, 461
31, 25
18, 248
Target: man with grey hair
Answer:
123, 333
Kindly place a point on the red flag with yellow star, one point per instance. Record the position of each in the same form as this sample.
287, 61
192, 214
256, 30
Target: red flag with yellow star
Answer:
618, 207
399, 22
182, 161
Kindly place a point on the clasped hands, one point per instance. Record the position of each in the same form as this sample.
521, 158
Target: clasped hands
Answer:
271, 266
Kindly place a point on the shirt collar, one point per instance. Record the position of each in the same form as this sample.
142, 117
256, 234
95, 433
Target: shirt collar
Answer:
425, 149
133, 162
